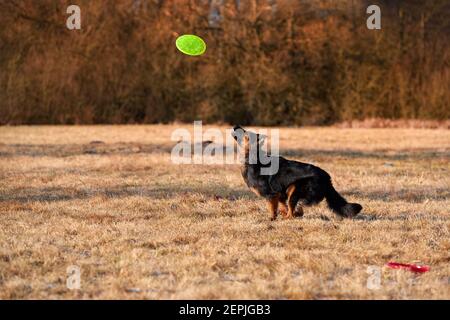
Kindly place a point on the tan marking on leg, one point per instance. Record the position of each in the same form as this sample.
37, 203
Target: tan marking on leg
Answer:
255, 191
290, 191
283, 208
272, 204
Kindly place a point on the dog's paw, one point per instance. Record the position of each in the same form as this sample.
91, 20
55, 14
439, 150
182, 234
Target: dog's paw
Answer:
298, 213
283, 212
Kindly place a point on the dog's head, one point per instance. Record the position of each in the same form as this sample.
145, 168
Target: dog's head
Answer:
245, 138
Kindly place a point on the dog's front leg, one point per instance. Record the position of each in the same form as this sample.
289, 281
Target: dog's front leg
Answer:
272, 204
292, 200
283, 208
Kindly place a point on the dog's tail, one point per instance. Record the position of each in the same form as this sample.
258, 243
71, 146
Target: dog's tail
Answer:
339, 205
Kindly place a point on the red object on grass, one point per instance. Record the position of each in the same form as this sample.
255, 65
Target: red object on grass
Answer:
410, 267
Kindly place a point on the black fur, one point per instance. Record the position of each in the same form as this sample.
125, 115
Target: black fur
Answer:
312, 184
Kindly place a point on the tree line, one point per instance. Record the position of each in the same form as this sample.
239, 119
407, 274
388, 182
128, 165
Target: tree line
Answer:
268, 62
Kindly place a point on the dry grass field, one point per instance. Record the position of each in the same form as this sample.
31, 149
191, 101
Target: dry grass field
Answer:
109, 200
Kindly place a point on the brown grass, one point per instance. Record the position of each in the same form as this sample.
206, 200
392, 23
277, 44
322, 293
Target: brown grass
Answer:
399, 123
142, 227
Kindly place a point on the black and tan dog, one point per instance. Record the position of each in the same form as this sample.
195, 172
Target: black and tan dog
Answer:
293, 182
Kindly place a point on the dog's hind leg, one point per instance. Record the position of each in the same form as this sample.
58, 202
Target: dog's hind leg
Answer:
292, 199
272, 204
282, 205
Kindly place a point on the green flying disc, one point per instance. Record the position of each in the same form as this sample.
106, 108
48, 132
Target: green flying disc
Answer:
191, 45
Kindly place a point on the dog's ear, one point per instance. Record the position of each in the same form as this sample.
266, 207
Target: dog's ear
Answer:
261, 138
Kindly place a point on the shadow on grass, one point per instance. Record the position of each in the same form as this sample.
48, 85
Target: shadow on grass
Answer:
53, 194
356, 154
401, 217
412, 195
216, 192
66, 150
220, 193
374, 217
